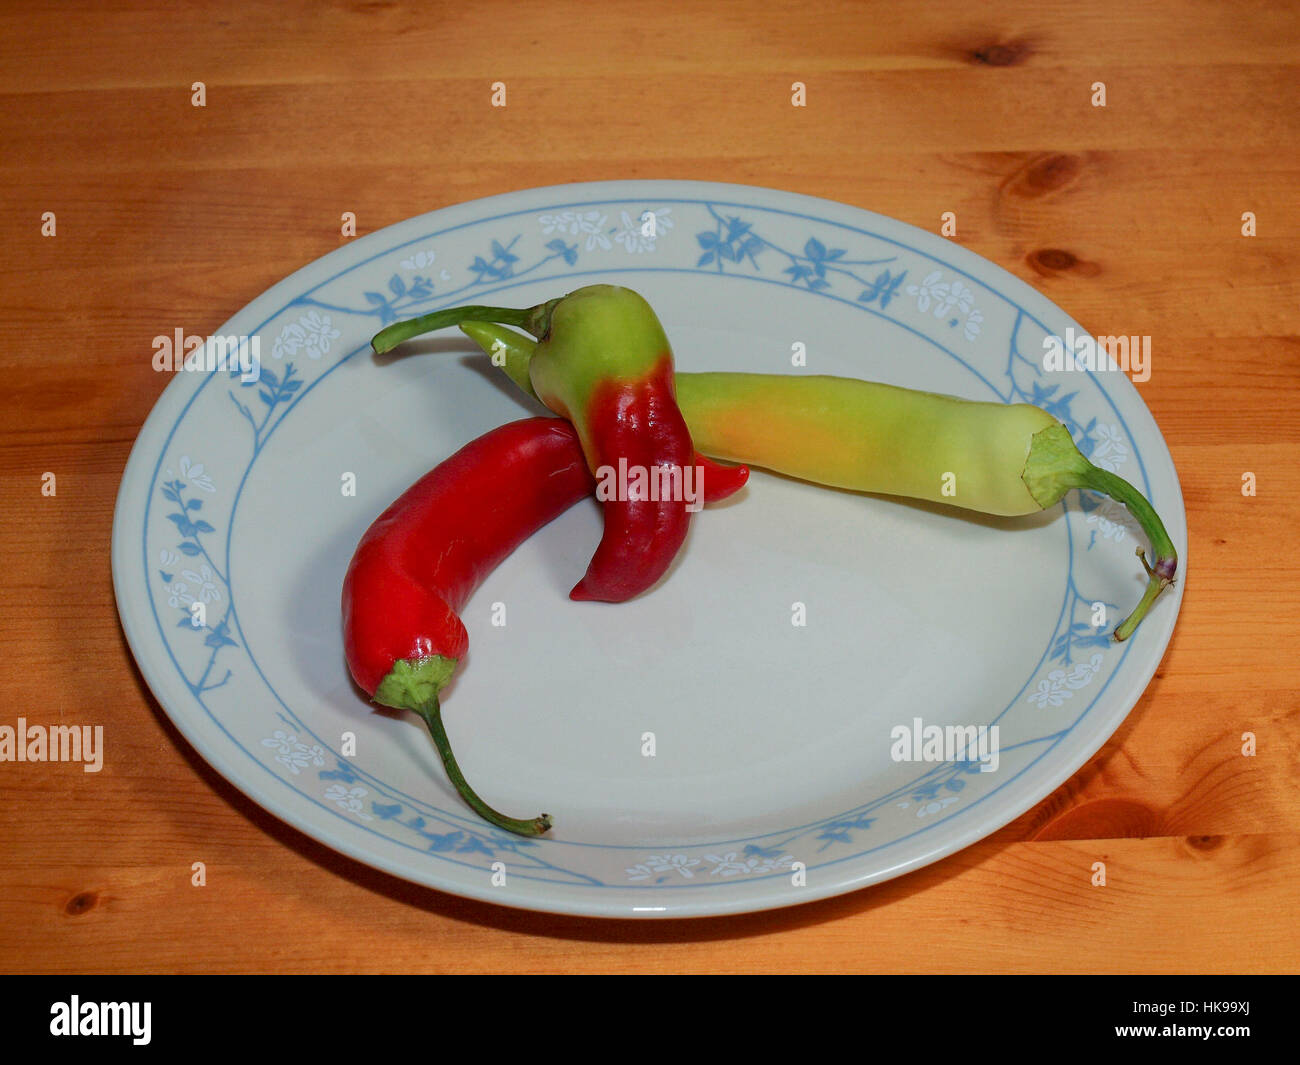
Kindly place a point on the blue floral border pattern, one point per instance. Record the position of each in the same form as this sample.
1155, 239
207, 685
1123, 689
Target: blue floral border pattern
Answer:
729, 241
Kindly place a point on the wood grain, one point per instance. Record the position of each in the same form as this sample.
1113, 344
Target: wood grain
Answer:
1129, 216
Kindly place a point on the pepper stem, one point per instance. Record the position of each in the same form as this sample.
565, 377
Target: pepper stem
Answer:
431, 711
536, 320
1055, 465
1160, 576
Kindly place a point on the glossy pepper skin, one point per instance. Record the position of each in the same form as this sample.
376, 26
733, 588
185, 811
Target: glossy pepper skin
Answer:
605, 364
420, 561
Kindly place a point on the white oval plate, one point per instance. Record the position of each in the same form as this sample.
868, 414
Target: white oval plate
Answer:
771, 780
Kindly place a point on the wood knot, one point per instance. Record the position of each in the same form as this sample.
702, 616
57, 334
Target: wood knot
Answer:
81, 902
1006, 54
1104, 819
1048, 262
1051, 260
1205, 843
1043, 174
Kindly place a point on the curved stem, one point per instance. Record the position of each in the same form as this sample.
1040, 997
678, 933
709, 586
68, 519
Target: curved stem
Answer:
534, 319
1161, 575
432, 714
510, 351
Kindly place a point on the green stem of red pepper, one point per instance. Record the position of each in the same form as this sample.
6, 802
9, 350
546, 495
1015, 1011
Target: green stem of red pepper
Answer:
535, 320
431, 712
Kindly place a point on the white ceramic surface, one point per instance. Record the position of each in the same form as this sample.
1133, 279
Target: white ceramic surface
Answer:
772, 782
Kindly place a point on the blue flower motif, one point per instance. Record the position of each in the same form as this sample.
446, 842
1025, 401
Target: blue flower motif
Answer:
500, 266
884, 288
736, 243
819, 256
568, 252
841, 831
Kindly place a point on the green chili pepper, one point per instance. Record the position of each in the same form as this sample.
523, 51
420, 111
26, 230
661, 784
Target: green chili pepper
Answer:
1008, 459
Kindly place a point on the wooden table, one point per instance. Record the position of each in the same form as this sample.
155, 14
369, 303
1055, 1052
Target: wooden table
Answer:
1129, 215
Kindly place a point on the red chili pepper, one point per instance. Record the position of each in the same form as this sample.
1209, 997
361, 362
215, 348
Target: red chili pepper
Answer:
637, 427
423, 557
603, 362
